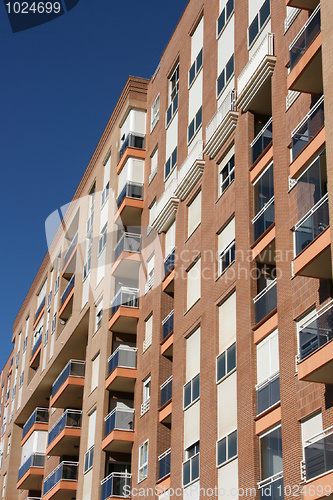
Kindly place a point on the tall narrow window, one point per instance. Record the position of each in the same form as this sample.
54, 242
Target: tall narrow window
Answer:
143, 461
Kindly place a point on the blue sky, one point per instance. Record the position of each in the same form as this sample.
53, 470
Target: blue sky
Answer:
59, 84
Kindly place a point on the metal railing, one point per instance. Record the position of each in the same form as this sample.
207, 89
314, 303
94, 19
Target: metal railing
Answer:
129, 242
316, 333
305, 37
37, 343
119, 419
70, 418
167, 325
122, 357
272, 488
264, 219
166, 391
117, 484
265, 302
308, 128
266, 48
169, 262
40, 307
126, 297
68, 289
268, 393
36, 460
132, 140
227, 105
311, 225
145, 406
72, 369
319, 454
130, 190
40, 415
262, 140
66, 471
164, 463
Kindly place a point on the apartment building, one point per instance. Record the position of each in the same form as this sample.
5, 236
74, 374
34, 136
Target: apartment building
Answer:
177, 338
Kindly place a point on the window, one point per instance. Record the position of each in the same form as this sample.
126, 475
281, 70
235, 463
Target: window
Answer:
173, 95
259, 22
99, 314
225, 76
87, 265
226, 246
194, 284
227, 448
102, 240
195, 68
170, 163
105, 194
88, 460
153, 164
226, 171
8, 443
268, 381
226, 362
263, 202
145, 395
54, 322
143, 461
191, 466
94, 372
271, 453
148, 332
191, 391
194, 125
4, 485
194, 214
89, 455
155, 112
150, 272
225, 16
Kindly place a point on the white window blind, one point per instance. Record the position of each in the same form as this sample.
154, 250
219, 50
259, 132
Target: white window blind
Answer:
194, 284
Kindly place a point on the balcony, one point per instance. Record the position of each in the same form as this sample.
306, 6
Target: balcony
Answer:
221, 125
34, 360
309, 127
132, 140
263, 220
254, 82
70, 249
167, 335
38, 421
303, 4
67, 390
39, 311
165, 410
118, 432
190, 171
305, 57
166, 391
263, 140
127, 256
64, 437
315, 348
69, 261
312, 243
116, 485
164, 464
130, 204
30, 475
66, 307
132, 190
268, 394
61, 484
265, 302
122, 369
272, 488
318, 453
125, 310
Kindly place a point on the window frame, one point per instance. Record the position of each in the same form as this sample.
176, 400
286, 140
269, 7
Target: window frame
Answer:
154, 115
197, 65
228, 458
226, 18
226, 80
261, 26
227, 372
144, 465
191, 384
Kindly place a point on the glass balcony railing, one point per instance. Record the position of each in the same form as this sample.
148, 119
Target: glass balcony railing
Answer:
263, 139
166, 391
132, 141
164, 464
268, 394
117, 484
119, 419
316, 334
264, 219
70, 418
169, 262
72, 369
319, 455
36, 460
265, 302
39, 416
130, 190
304, 38
126, 297
37, 343
68, 289
70, 248
272, 488
122, 357
128, 243
311, 225
167, 325
308, 128
40, 307
66, 471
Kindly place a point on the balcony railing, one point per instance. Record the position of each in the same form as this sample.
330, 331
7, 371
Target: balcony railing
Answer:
68, 289
264, 219
227, 105
70, 418
117, 484
167, 324
166, 391
122, 357
130, 190
268, 394
171, 110
40, 415
132, 141
319, 454
311, 225
308, 128
316, 333
169, 262
145, 406
66, 471
272, 488
262, 140
70, 248
72, 369
37, 343
126, 297
129, 242
265, 302
304, 38
119, 419
164, 464
36, 460
40, 307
